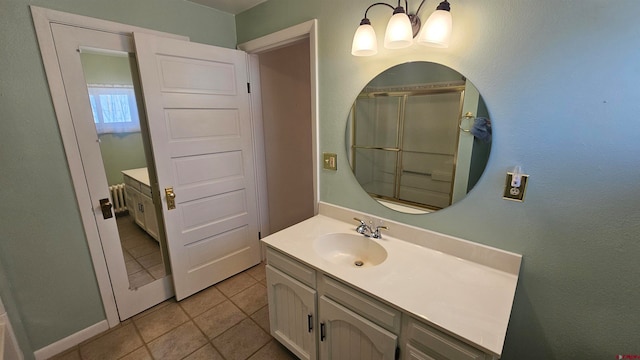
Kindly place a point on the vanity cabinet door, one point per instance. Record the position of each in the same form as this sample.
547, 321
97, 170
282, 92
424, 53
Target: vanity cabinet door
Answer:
349, 336
150, 220
422, 342
292, 313
138, 211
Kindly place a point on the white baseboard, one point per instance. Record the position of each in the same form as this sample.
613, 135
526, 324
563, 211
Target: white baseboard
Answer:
71, 341
9, 349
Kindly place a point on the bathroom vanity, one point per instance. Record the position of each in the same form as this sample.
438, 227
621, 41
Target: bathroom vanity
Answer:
139, 200
335, 294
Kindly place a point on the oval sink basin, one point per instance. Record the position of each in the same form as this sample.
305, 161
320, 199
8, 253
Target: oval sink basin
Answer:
350, 250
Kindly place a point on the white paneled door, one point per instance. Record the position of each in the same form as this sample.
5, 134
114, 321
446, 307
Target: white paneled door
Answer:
197, 106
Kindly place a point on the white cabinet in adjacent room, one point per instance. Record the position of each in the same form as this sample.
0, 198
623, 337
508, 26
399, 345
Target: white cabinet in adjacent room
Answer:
140, 201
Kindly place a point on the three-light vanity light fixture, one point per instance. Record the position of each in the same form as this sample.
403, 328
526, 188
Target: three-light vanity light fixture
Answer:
403, 27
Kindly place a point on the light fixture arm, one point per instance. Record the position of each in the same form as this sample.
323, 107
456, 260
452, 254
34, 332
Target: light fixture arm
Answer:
378, 3
403, 28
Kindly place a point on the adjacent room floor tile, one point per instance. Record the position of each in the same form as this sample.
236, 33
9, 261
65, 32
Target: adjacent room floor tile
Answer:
139, 279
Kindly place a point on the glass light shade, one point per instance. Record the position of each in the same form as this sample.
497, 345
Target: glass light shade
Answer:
364, 41
437, 30
399, 33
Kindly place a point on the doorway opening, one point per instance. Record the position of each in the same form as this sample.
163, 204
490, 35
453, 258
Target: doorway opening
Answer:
283, 70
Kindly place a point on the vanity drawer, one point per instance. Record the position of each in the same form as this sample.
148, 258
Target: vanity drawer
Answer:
291, 267
145, 190
381, 314
131, 183
427, 339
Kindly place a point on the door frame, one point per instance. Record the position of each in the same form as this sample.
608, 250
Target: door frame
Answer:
42, 19
307, 30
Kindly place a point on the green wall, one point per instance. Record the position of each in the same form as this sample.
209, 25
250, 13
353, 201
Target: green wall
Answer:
47, 282
560, 82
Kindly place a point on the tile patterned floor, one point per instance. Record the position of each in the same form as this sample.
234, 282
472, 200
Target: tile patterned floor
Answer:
142, 255
228, 321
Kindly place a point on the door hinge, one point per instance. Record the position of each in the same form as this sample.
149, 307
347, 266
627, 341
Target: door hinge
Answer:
259, 236
249, 88
397, 353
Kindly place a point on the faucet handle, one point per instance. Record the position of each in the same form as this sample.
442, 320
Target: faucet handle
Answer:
361, 221
377, 234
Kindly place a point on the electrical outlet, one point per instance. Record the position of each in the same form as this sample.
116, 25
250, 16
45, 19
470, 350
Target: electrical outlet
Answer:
330, 161
515, 193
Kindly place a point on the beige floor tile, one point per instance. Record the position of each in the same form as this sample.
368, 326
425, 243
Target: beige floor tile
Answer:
140, 354
139, 279
113, 345
132, 266
258, 272
145, 249
73, 354
207, 352
155, 308
198, 303
251, 299
218, 319
261, 317
132, 240
178, 343
127, 256
150, 260
242, 340
160, 322
235, 284
157, 271
273, 351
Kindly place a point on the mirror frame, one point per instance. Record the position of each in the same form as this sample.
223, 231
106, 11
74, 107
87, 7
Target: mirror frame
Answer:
475, 147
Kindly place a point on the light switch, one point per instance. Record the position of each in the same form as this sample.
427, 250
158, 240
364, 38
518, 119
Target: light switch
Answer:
514, 191
330, 161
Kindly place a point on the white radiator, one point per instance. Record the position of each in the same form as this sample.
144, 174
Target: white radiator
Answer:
117, 198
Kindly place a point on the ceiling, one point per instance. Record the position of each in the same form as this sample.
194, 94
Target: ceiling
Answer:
230, 6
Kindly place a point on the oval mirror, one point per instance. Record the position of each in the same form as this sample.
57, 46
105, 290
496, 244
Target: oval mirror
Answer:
418, 137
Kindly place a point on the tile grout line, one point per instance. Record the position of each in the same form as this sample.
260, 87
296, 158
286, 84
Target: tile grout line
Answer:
247, 316
191, 319
144, 343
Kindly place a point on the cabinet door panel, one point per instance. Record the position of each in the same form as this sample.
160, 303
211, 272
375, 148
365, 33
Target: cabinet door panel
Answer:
292, 313
150, 219
440, 344
349, 336
415, 354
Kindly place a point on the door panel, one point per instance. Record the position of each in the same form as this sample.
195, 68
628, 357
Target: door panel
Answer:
198, 109
70, 44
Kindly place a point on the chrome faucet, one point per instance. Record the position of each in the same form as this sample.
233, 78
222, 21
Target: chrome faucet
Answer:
363, 228
377, 234
367, 231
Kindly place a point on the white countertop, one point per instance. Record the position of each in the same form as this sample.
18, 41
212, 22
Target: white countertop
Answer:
465, 298
141, 175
